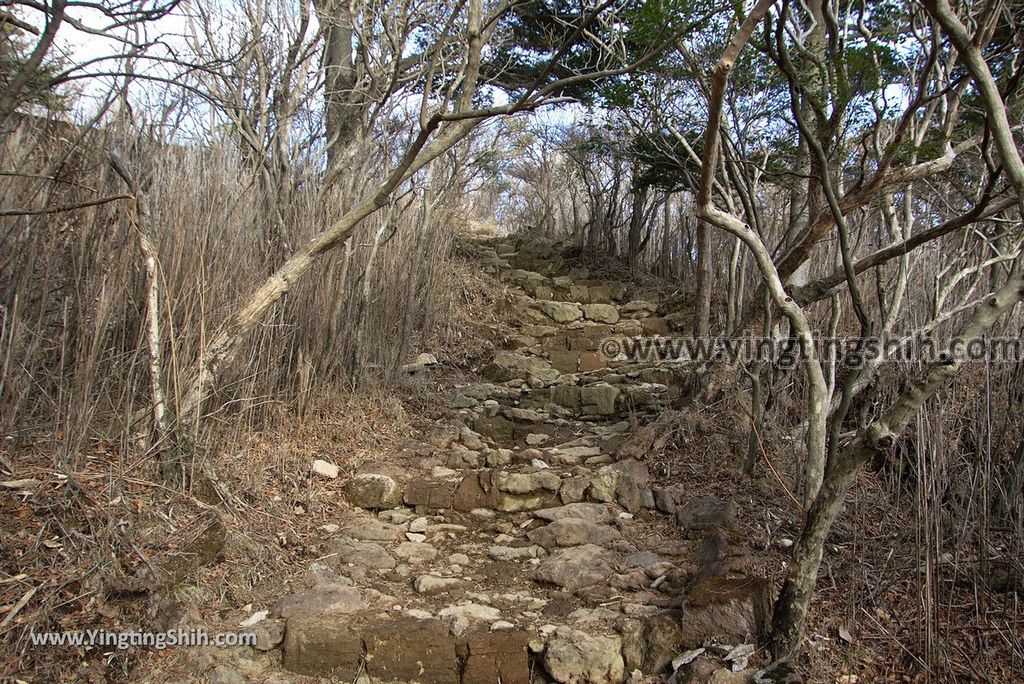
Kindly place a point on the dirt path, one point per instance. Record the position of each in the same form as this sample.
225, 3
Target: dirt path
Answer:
525, 538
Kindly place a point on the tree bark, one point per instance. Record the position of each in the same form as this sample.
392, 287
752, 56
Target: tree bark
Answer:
789, 619
702, 308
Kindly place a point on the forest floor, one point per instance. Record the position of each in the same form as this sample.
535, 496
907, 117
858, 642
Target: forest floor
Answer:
523, 508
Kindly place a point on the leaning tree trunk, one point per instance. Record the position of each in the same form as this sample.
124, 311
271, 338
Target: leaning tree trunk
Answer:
789, 619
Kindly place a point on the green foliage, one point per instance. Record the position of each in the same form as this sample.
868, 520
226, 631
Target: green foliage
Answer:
663, 163
536, 32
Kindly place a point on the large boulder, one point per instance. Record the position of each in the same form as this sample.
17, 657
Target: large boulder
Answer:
574, 657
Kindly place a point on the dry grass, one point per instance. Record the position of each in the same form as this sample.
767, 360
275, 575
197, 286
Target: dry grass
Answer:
81, 536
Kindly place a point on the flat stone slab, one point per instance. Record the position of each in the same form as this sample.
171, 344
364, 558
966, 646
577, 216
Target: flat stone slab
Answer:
326, 598
705, 513
574, 657
497, 657
572, 532
592, 512
576, 567
409, 650
316, 645
734, 610
367, 554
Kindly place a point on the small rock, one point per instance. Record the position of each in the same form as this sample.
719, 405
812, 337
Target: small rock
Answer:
415, 537
395, 516
370, 529
471, 439
430, 585
268, 635
349, 551
664, 501
460, 617
222, 674
421, 362
638, 308
560, 312
515, 552
501, 625
650, 642
731, 609
573, 489
602, 313
461, 401
416, 553
536, 439
599, 399
325, 469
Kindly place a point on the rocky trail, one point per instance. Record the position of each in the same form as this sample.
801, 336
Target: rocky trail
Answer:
526, 538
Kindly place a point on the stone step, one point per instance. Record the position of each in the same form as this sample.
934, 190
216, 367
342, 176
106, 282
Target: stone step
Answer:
512, 545
468, 633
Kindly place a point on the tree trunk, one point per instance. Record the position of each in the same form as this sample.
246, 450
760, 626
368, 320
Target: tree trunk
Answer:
341, 106
636, 227
789, 619
702, 307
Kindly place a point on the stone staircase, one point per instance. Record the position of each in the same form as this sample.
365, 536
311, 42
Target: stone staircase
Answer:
524, 538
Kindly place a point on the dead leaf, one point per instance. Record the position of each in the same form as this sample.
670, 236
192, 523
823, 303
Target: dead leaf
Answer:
686, 657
